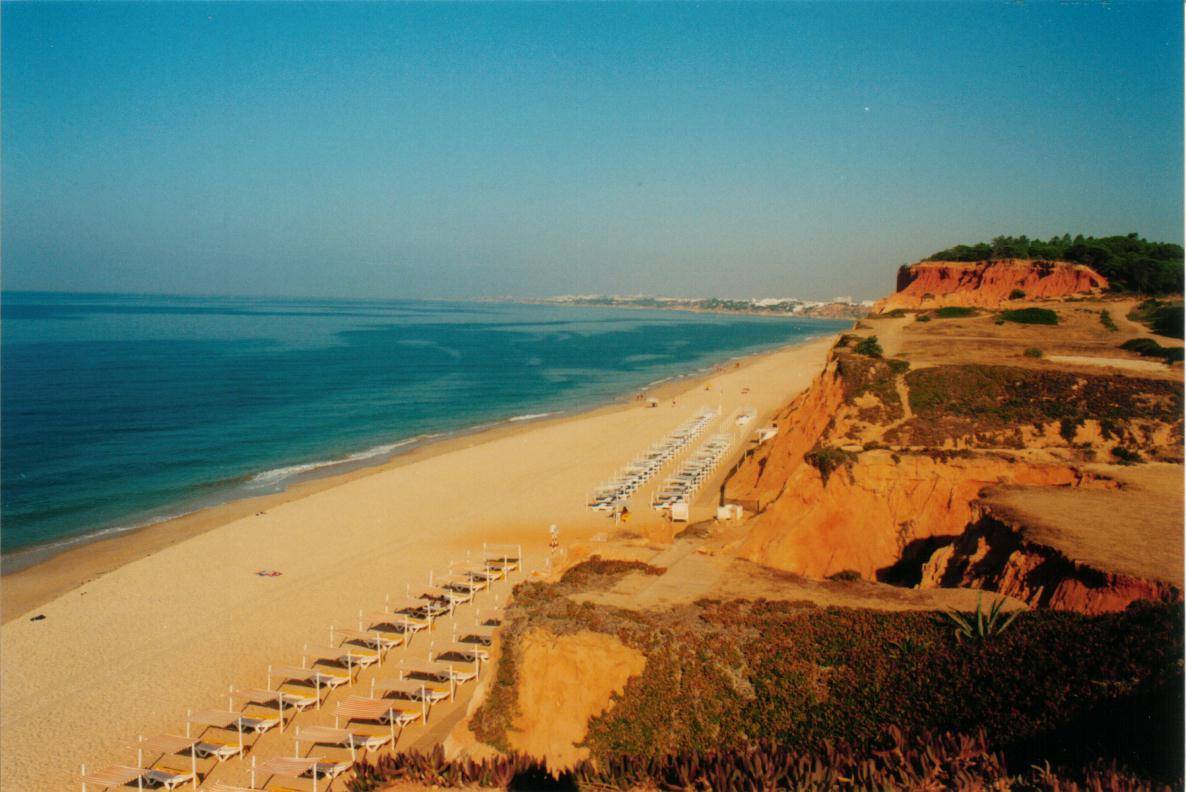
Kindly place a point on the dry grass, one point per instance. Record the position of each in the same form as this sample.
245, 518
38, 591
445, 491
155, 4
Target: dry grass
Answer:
1135, 530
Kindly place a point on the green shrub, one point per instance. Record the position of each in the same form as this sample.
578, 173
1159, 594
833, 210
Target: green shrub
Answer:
1147, 347
1163, 318
1033, 352
1107, 321
954, 312
1042, 316
1017, 294
981, 625
868, 347
1126, 455
898, 366
845, 576
922, 318
828, 459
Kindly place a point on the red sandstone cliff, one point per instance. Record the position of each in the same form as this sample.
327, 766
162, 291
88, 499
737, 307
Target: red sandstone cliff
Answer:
912, 512
987, 284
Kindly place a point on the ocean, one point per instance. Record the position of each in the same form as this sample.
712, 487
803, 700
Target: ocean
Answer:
122, 410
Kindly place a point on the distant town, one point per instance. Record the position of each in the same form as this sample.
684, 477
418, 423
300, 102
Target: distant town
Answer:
836, 308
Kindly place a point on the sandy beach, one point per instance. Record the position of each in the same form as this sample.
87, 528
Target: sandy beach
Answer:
169, 616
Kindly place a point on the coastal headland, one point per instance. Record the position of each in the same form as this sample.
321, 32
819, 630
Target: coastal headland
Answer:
948, 455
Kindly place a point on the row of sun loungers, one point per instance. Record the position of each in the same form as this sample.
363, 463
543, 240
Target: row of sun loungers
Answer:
682, 486
395, 702
618, 490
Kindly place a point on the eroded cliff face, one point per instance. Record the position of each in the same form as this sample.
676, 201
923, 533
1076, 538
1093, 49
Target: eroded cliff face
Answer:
564, 680
993, 554
872, 512
863, 476
987, 284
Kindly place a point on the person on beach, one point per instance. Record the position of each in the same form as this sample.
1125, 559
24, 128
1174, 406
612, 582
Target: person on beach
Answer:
553, 538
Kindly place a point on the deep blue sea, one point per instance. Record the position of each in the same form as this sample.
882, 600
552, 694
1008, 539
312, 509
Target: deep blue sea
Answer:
118, 410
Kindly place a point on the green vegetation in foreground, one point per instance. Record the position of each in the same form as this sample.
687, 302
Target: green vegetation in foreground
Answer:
1042, 316
1163, 318
954, 312
1130, 263
1107, 321
944, 761
722, 674
1033, 352
1147, 347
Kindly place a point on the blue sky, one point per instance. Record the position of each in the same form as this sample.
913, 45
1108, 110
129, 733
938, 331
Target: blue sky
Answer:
468, 149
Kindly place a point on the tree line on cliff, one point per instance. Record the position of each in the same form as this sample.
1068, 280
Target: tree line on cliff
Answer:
1131, 263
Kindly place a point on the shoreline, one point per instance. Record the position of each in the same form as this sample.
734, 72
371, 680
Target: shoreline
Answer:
167, 617
88, 557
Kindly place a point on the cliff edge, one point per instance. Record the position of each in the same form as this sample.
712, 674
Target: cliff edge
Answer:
932, 284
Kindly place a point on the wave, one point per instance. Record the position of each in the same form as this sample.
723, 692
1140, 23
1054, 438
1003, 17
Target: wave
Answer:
270, 478
532, 416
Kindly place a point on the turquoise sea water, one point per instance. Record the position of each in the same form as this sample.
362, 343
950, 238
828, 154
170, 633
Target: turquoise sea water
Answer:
122, 409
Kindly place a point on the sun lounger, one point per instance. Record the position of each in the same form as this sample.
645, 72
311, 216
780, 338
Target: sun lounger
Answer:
450, 598
406, 620
317, 768
385, 711
350, 656
279, 699
113, 777
169, 745
223, 786
371, 638
318, 678
228, 720
342, 738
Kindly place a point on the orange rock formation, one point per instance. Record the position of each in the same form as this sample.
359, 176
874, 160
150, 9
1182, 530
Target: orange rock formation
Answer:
987, 284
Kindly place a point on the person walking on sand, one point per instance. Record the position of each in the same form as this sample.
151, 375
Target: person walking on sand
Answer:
553, 538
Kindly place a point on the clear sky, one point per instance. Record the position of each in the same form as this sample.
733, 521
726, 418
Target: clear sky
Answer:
468, 149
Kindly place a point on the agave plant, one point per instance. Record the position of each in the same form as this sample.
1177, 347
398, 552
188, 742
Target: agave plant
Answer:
980, 624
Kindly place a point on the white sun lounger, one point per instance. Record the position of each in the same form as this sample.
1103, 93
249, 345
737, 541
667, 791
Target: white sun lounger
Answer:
353, 657
168, 745
385, 711
342, 738
317, 677
315, 767
113, 777
383, 642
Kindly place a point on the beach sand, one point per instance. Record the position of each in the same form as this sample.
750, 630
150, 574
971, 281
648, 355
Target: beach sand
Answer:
170, 616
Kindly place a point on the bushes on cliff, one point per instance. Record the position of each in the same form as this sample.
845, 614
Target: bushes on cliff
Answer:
1042, 316
721, 674
1147, 347
1130, 263
828, 459
1002, 396
809, 676
954, 312
1163, 318
869, 347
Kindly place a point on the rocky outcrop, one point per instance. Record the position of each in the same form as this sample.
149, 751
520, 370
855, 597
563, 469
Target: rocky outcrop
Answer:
993, 554
866, 515
988, 284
